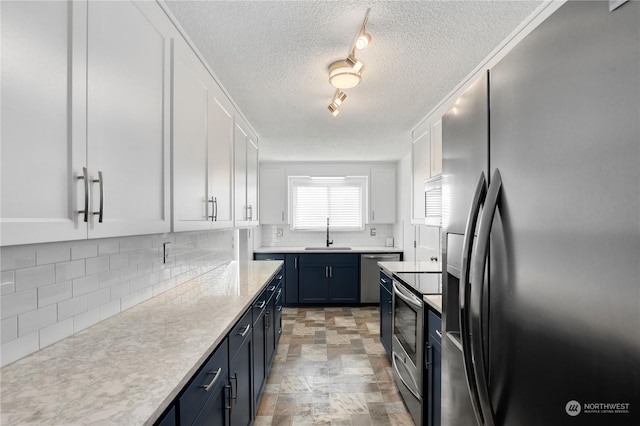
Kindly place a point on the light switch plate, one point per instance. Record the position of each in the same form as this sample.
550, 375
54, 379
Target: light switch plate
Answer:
279, 232
373, 232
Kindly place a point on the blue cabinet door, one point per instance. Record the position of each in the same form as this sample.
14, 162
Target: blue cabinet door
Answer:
344, 286
386, 313
240, 370
259, 348
434, 365
313, 284
291, 279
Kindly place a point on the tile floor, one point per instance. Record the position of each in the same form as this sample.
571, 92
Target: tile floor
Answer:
331, 369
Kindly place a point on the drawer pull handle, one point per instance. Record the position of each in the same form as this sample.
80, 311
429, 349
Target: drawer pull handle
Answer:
261, 305
246, 330
215, 378
280, 277
273, 287
439, 334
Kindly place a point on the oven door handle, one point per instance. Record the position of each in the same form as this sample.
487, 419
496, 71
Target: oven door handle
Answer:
395, 367
406, 296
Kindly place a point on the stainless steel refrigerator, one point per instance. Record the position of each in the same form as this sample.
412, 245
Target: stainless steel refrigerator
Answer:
541, 212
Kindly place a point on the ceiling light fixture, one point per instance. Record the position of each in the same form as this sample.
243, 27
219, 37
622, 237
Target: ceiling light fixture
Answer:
343, 76
347, 73
333, 108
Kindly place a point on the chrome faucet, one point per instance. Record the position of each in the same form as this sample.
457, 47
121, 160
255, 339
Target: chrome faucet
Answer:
328, 242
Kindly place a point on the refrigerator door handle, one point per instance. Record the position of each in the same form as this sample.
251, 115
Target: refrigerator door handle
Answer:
477, 290
465, 290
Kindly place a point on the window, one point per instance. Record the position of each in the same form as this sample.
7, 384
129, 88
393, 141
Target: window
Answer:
314, 199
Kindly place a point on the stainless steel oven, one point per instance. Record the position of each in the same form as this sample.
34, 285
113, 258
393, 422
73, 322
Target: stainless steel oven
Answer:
408, 347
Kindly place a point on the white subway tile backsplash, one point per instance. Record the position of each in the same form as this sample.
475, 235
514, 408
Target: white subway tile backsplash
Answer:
108, 247
85, 285
119, 290
51, 253
50, 291
7, 282
70, 270
96, 265
31, 321
69, 308
98, 298
109, 309
34, 277
86, 319
18, 348
84, 251
9, 329
17, 257
19, 302
117, 261
56, 332
54, 293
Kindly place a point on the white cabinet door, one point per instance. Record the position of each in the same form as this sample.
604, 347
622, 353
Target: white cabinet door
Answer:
221, 157
252, 179
240, 173
43, 122
191, 93
128, 117
273, 196
421, 158
382, 196
436, 148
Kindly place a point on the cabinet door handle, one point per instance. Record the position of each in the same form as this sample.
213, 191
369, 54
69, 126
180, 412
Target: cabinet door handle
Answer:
390, 307
100, 211
228, 407
246, 330
85, 176
326, 272
235, 378
282, 216
215, 209
439, 334
373, 215
330, 271
279, 308
295, 262
215, 378
249, 212
210, 216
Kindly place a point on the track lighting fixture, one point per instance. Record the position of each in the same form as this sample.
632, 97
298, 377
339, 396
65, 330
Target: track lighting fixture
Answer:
346, 73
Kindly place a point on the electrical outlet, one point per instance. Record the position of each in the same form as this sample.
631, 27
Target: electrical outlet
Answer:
279, 232
373, 232
165, 250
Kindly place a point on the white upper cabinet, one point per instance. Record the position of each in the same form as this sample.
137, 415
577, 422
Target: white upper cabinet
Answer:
191, 90
84, 88
421, 160
427, 163
128, 118
246, 175
436, 148
43, 121
202, 146
382, 193
273, 196
221, 126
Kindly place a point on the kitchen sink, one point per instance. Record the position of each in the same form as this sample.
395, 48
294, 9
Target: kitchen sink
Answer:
327, 248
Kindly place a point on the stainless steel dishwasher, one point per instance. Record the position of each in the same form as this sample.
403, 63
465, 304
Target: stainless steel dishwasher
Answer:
370, 275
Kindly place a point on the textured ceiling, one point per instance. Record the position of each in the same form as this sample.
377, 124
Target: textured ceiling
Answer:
272, 58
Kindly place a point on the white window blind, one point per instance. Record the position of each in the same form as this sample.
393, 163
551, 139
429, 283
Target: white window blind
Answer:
314, 199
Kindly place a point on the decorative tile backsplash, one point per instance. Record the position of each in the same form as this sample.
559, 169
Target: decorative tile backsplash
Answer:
51, 291
291, 238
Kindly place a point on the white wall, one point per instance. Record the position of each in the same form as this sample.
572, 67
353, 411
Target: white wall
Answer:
404, 231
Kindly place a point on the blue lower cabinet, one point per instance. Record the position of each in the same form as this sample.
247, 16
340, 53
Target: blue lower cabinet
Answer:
386, 312
240, 368
329, 278
259, 347
434, 368
290, 288
205, 397
168, 418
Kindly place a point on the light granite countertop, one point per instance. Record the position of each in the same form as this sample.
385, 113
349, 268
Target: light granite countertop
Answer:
127, 369
356, 250
409, 266
435, 301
